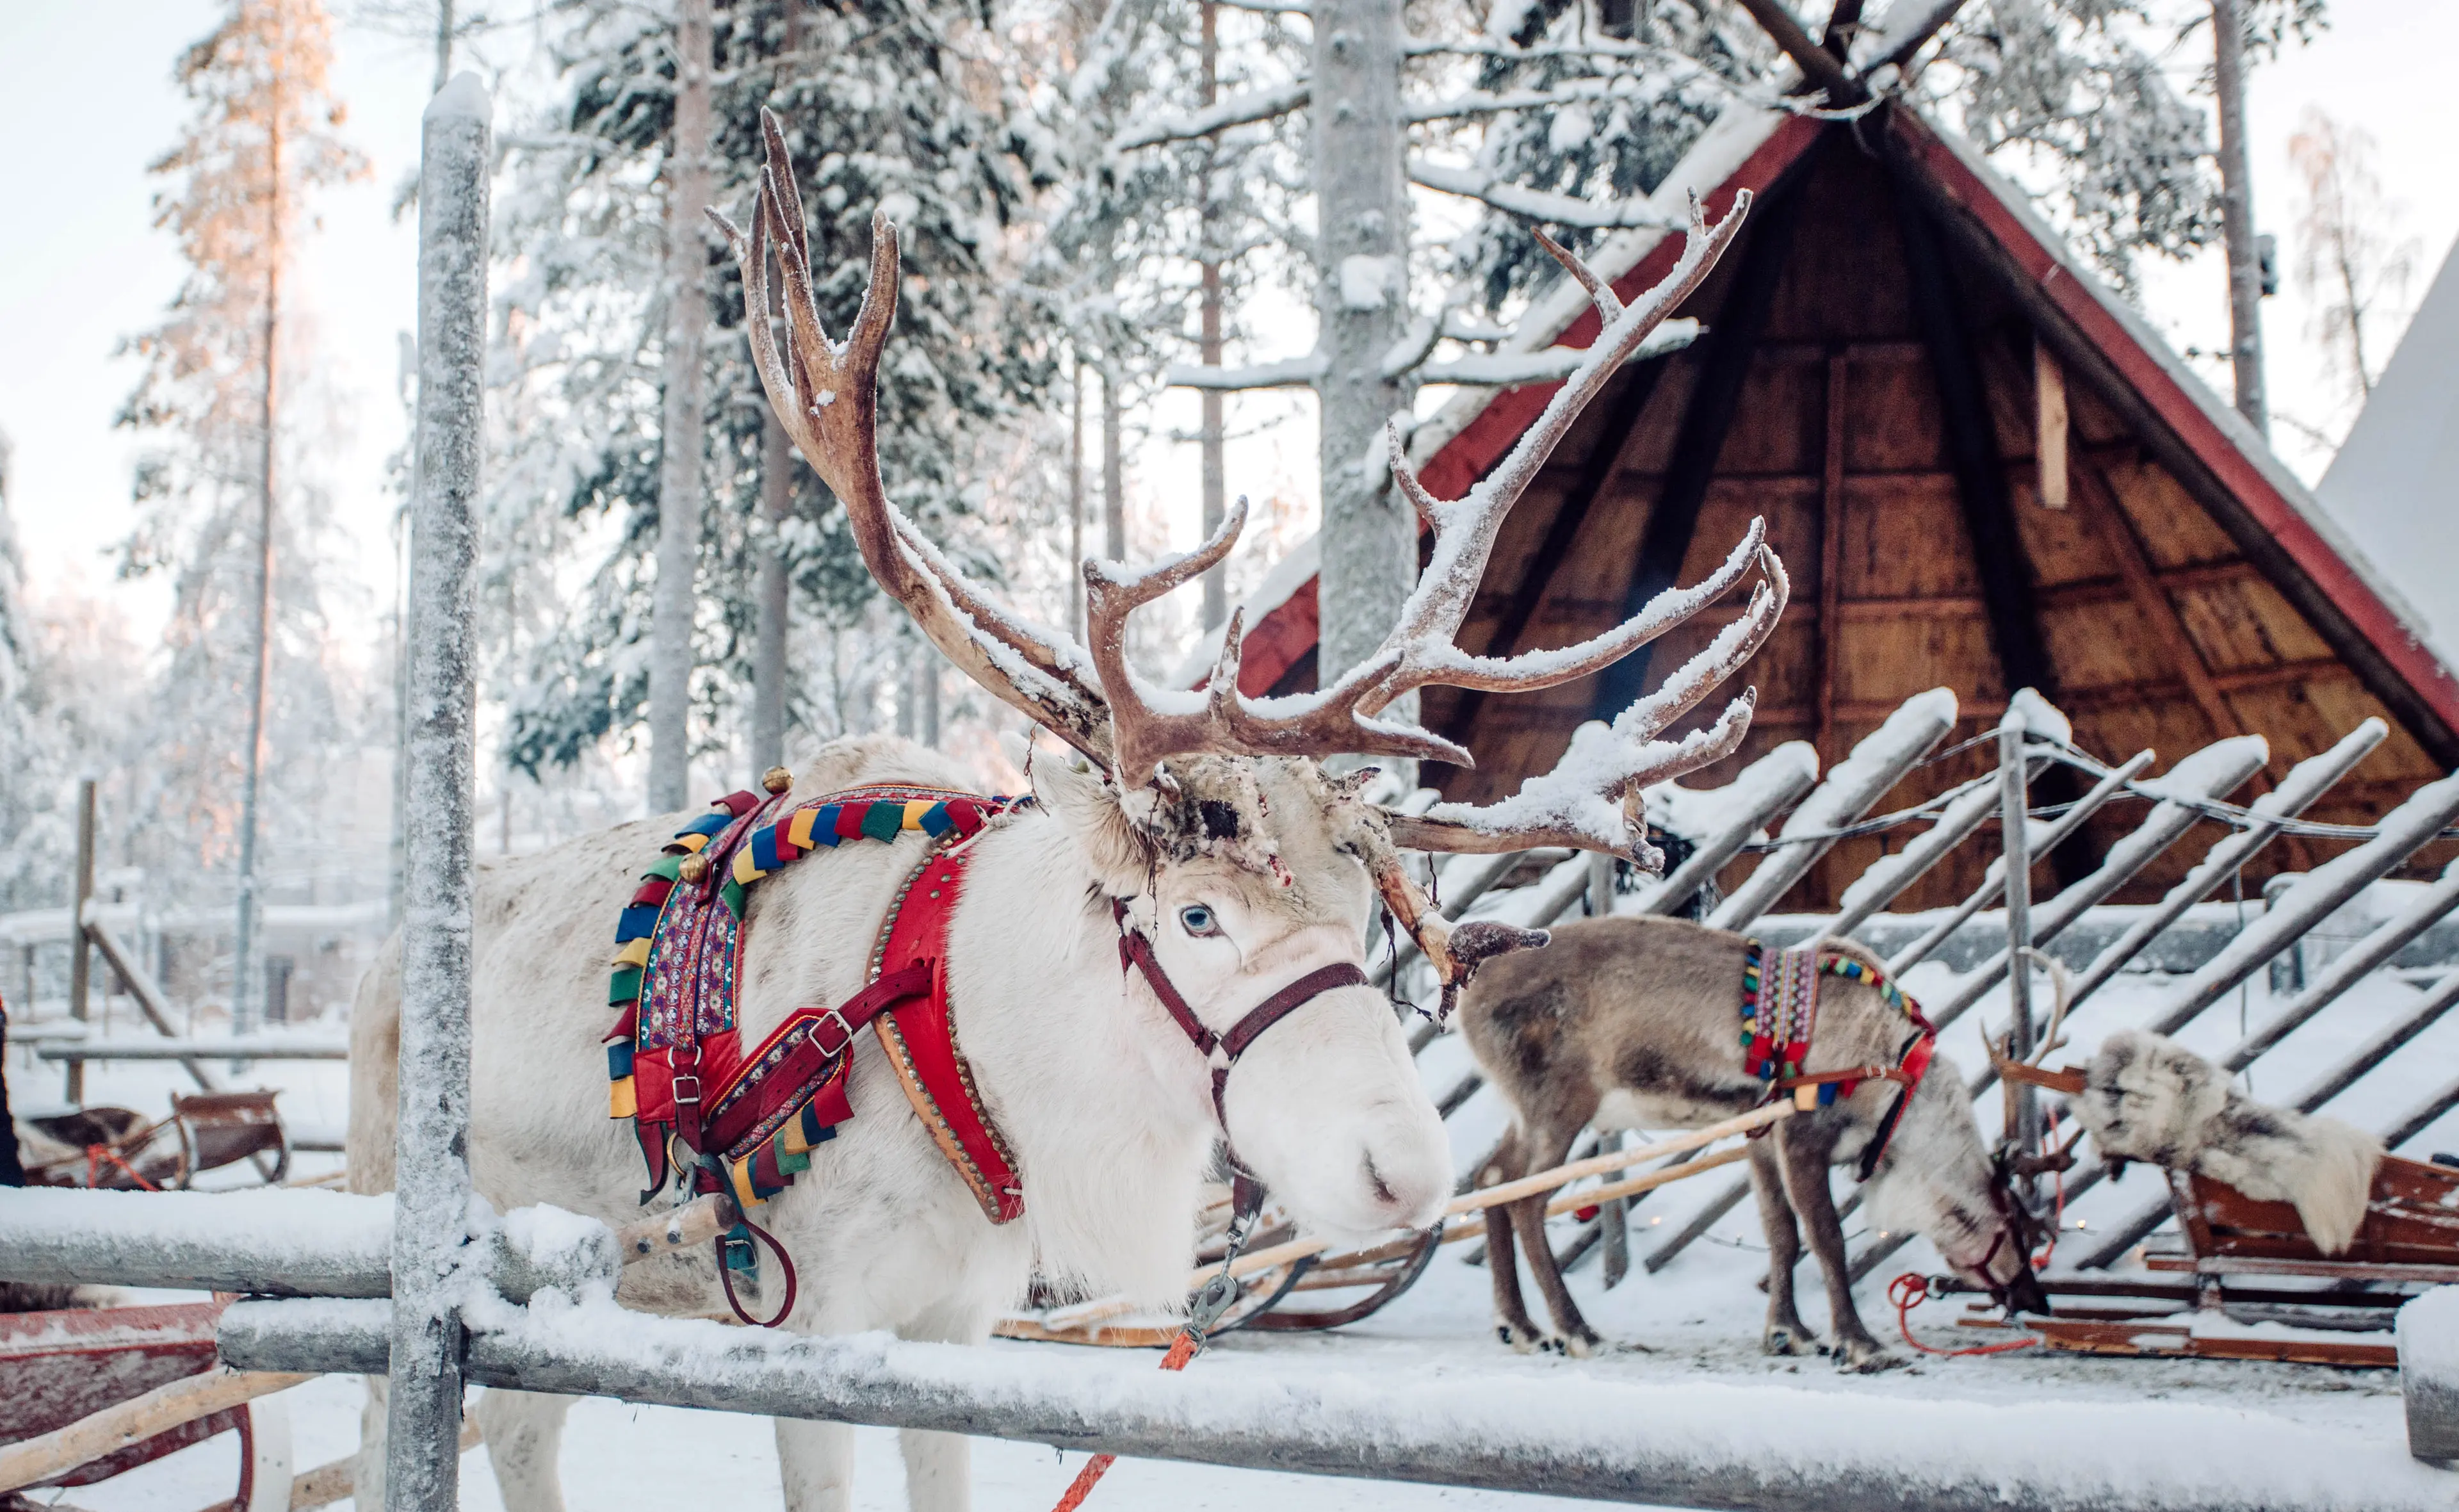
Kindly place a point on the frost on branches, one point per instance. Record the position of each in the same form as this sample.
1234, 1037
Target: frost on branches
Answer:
897, 104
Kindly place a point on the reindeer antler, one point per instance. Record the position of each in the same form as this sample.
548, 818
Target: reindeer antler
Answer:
1591, 800
826, 393
1423, 648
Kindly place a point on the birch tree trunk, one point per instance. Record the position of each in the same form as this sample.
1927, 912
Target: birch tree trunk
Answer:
1370, 534
1076, 500
1114, 469
1216, 480
769, 648
679, 473
260, 676
2236, 213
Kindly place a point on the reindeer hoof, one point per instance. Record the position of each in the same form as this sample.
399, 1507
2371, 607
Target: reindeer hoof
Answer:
1868, 1357
1522, 1337
1781, 1340
1580, 1345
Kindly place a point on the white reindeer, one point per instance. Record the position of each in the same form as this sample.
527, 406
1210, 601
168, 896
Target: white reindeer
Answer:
1243, 865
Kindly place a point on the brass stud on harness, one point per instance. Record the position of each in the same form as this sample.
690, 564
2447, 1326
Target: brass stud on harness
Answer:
777, 779
694, 869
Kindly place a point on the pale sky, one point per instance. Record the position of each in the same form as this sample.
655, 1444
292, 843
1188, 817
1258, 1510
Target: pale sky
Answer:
92, 102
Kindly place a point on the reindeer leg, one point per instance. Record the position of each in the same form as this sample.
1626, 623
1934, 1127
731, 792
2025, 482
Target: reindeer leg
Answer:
1512, 1324
1571, 1332
1807, 1152
524, 1433
1786, 1333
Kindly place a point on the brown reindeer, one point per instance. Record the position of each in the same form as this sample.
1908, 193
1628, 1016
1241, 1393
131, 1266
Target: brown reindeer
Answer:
1634, 1022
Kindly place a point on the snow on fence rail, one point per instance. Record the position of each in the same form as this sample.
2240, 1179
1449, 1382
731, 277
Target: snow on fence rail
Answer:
1679, 1443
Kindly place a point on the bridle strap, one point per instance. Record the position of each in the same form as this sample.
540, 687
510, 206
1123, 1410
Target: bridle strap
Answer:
1287, 1001
1136, 951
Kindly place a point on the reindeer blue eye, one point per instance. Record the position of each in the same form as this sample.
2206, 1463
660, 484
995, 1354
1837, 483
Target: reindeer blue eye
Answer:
1198, 921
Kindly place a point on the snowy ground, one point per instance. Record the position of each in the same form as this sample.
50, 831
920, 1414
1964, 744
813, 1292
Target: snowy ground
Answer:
1696, 1321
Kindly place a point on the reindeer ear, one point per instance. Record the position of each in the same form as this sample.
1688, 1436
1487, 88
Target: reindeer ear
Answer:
1084, 801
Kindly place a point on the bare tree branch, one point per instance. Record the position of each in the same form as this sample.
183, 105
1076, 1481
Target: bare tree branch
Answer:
1538, 204
1817, 65
1238, 110
1297, 373
1552, 364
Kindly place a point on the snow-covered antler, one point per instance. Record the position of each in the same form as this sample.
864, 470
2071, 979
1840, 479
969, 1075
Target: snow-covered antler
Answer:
1590, 801
826, 393
1423, 647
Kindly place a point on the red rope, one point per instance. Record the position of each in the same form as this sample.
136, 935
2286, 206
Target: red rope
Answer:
1910, 1290
1180, 1350
96, 1154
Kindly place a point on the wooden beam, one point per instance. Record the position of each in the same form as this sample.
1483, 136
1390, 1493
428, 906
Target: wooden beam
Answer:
1842, 23
1622, 425
1732, 341
1817, 65
2104, 519
2049, 425
1972, 455
1830, 557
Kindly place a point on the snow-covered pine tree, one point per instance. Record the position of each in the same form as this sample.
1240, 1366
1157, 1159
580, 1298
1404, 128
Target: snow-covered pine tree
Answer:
897, 104
220, 505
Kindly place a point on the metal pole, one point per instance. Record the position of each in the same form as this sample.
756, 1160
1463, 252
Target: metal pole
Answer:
80, 948
431, 1167
2013, 814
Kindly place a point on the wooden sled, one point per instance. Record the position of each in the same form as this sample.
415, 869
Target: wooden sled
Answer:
1276, 1268
118, 1150
2409, 1239
86, 1395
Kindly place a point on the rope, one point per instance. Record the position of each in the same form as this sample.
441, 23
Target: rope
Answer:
1910, 1290
1180, 1350
94, 1157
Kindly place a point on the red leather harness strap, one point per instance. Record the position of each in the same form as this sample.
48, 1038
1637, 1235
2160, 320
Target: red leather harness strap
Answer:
919, 1035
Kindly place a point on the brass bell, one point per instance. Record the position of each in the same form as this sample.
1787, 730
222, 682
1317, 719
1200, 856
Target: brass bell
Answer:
777, 779
694, 869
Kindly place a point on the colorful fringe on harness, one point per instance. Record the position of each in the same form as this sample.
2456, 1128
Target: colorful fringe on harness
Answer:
674, 1057
1781, 1013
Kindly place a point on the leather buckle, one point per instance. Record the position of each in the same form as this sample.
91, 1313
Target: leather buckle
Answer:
682, 1098
845, 1032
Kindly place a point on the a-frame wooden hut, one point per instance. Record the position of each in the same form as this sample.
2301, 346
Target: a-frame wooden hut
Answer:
1891, 348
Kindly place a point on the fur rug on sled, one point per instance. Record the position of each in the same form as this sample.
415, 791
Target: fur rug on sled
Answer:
2150, 1099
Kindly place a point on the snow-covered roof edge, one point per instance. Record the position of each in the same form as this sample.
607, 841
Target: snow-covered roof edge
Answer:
1286, 577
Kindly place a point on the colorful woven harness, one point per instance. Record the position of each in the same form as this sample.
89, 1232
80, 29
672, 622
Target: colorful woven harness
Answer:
750, 1121
1780, 1014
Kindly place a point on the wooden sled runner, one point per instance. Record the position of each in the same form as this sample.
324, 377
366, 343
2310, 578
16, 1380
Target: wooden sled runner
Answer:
87, 1395
2409, 1240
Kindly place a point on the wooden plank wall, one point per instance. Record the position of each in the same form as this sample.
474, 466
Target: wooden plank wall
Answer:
2156, 632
